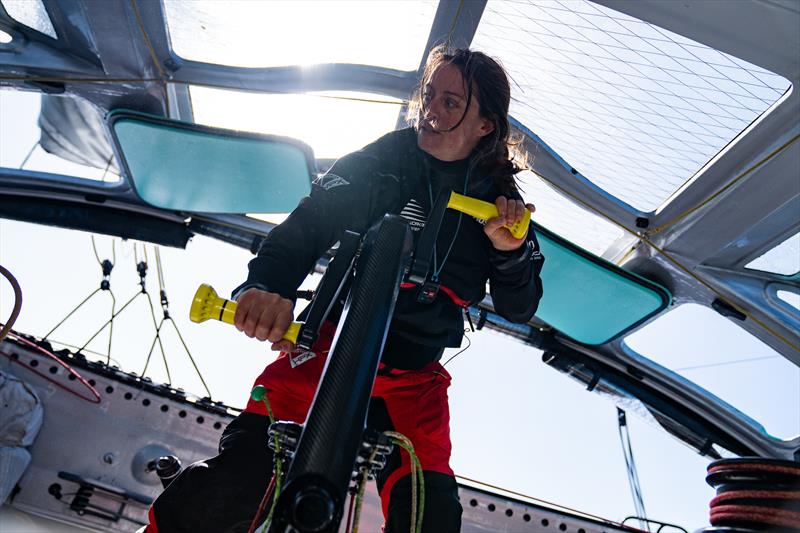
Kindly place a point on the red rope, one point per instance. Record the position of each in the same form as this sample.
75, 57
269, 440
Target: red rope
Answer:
263, 505
55, 358
755, 495
733, 514
350, 512
777, 469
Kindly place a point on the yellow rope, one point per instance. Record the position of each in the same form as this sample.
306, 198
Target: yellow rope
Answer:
259, 393
279, 474
627, 254
153, 55
453, 24
362, 485
417, 480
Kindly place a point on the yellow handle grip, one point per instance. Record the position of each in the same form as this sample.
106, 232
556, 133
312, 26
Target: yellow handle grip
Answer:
207, 305
485, 210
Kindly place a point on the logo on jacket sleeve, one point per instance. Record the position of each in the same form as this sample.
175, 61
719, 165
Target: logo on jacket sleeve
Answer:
415, 215
329, 181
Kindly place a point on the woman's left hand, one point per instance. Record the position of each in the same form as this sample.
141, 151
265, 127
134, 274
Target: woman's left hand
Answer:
510, 211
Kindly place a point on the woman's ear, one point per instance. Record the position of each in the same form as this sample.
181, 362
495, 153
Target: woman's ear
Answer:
487, 127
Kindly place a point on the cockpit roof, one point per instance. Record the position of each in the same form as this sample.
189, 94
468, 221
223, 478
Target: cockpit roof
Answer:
664, 135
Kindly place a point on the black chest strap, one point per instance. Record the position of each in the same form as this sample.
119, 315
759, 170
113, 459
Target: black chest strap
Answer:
423, 255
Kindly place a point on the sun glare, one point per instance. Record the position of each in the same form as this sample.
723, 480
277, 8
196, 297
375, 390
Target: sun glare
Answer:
256, 34
332, 123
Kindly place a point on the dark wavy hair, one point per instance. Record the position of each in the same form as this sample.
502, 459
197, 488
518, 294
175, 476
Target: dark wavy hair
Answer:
500, 153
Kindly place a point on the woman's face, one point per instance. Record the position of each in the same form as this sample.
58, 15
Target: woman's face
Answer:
444, 100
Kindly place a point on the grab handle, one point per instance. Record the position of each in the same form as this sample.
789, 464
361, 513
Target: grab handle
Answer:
485, 211
207, 305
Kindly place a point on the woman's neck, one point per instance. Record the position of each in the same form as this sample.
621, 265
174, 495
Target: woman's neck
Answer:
448, 167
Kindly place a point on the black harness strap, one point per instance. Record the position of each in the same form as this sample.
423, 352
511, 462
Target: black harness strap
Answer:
421, 264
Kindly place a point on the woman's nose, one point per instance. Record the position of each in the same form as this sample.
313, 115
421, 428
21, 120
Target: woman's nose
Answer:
431, 114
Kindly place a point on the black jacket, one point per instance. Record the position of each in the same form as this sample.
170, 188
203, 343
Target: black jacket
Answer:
392, 175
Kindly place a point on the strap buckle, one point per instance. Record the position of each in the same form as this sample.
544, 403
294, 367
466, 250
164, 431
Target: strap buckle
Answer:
427, 292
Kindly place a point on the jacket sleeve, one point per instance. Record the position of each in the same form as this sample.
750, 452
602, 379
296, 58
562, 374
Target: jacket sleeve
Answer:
514, 280
347, 197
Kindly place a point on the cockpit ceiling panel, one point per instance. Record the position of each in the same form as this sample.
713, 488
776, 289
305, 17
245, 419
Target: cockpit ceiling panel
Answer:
391, 34
31, 13
332, 123
633, 107
783, 259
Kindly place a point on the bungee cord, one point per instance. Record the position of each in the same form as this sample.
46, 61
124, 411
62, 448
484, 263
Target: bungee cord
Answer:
140, 258
106, 266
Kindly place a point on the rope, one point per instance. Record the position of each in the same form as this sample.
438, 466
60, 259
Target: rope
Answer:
30, 153
259, 393
152, 347
167, 317
191, 359
97, 256
159, 270
362, 485
55, 358
417, 480
453, 24
70, 313
110, 321
108, 165
17, 302
148, 43
157, 326
111, 325
263, 504
350, 512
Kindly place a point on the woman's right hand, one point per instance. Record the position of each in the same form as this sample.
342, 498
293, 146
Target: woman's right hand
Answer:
265, 316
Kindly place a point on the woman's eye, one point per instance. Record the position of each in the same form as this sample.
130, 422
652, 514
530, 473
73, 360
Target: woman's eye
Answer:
450, 103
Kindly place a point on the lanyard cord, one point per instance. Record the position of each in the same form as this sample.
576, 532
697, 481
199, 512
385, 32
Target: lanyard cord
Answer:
437, 269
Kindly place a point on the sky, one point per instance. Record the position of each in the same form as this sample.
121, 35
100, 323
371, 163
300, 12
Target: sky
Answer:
516, 423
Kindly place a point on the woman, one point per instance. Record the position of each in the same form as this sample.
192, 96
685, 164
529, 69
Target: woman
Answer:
459, 141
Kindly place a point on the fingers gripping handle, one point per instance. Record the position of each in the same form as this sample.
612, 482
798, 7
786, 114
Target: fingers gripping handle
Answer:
485, 210
207, 305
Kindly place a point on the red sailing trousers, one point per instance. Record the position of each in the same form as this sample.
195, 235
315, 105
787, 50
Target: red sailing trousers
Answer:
416, 401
